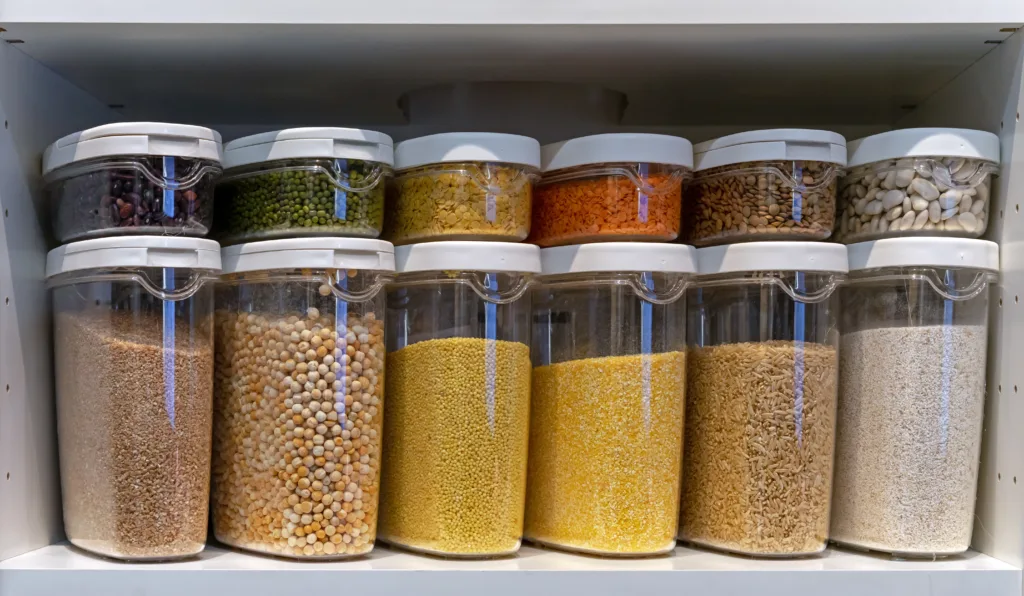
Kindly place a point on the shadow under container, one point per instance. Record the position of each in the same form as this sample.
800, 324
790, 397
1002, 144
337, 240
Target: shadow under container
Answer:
463, 186
608, 396
133, 350
764, 185
912, 379
458, 398
761, 397
299, 396
304, 182
611, 187
132, 178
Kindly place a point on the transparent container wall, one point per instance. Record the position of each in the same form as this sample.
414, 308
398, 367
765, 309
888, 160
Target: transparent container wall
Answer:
300, 390
912, 382
461, 201
760, 413
761, 200
134, 374
920, 196
149, 195
609, 380
611, 201
302, 197
458, 413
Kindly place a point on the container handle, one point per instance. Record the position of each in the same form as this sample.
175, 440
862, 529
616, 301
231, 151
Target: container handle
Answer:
831, 173
801, 296
977, 286
674, 180
335, 175
191, 177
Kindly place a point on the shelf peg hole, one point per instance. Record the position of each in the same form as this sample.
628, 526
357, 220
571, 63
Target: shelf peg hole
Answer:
1015, 389
999, 476
7, 300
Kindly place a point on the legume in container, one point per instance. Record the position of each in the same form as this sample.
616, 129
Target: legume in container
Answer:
133, 349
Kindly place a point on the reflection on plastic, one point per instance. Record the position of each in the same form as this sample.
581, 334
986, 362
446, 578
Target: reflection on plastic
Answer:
168, 335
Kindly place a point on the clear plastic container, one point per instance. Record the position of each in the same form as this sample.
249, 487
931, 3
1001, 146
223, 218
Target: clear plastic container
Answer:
918, 182
132, 178
300, 391
463, 186
304, 182
609, 381
764, 185
458, 396
611, 187
912, 381
133, 359
762, 375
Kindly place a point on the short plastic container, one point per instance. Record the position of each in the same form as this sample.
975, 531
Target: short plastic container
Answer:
918, 182
132, 178
304, 182
761, 397
764, 185
458, 396
133, 359
609, 382
463, 186
912, 386
622, 187
300, 392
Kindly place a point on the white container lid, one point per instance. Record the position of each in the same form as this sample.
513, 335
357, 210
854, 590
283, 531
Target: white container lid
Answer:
510, 257
922, 251
617, 147
134, 138
925, 142
325, 143
467, 146
619, 256
310, 253
134, 251
773, 256
770, 145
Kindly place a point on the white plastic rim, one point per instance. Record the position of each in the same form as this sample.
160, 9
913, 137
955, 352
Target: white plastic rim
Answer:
773, 256
297, 143
617, 148
135, 138
619, 256
468, 146
780, 144
310, 253
924, 142
506, 257
946, 253
134, 251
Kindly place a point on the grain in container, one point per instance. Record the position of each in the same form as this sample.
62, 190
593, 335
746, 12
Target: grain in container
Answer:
912, 394
304, 182
133, 349
132, 178
764, 185
608, 395
918, 182
299, 395
458, 398
463, 186
761, 397
623, 187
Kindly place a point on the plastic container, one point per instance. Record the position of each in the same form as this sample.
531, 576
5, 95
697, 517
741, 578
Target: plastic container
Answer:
764, 185
458, 398
463, 186
611, 187
133, 359
912, 385
300, 390
609, 381
761, 397
918, 182
132, 178
304, 182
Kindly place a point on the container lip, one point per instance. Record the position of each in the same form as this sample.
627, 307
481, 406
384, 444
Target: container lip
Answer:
942, 252
773, 256
309, 253
924, 142
311, 142
768, 145
509, 257
467, 146
628, 257
134, 251
624, 147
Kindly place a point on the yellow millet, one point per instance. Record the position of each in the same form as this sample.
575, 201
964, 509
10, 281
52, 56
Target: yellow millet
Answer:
455, 462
